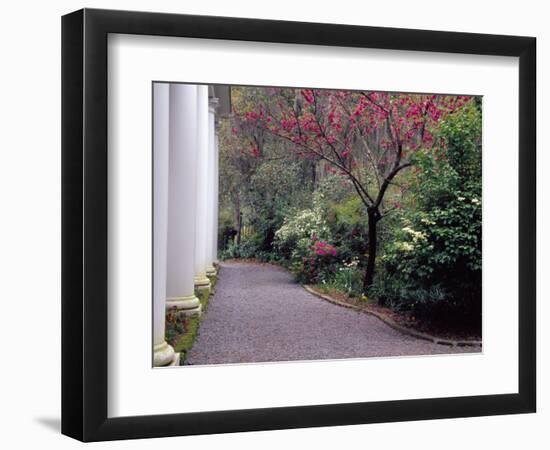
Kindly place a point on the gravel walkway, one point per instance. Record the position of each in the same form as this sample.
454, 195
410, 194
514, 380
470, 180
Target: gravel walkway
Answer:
259, 314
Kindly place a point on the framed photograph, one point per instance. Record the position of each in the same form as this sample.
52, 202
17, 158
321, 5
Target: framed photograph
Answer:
273, 225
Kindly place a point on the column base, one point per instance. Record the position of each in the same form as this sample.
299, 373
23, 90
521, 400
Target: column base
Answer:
164, 355
202, 282
189, 305
191, 312
211, 271
176, 360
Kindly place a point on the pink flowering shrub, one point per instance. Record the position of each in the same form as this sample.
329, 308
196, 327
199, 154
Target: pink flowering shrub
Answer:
321, 262
322, 248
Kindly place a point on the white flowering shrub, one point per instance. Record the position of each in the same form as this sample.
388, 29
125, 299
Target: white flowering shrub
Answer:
293, 239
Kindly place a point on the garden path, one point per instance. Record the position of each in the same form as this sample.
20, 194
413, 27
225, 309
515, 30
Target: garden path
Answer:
259, 314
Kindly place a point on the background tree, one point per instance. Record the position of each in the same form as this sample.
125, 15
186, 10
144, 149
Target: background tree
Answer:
261, 180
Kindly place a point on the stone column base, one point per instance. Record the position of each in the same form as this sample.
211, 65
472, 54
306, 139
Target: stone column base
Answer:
189, 305
211, 271
202, 282
176, 360
164, 355
191, 312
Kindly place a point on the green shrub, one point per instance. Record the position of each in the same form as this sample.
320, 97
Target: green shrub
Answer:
410, 297
435, 262
269, 257
348, 228
432, 265
246, 249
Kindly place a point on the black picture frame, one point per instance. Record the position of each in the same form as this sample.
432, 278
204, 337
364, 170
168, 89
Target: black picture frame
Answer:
84, 224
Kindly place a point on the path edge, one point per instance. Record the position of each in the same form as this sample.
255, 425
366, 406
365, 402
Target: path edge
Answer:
391, 323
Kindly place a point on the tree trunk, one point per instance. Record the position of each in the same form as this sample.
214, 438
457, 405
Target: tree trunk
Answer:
238, 219
374, 217
239, 228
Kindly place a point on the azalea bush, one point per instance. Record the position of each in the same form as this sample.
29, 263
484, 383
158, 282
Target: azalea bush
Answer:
319, 265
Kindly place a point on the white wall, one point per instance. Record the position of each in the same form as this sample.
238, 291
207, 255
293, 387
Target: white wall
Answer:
30, 224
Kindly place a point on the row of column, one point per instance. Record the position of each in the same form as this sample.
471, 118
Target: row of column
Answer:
185, 204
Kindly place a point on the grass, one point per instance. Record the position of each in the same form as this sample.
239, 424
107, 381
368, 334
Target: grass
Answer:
183, 341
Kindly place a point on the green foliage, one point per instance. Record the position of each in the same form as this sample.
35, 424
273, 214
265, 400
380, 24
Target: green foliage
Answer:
350, 213
293, 240
274, 190
432, 266
409, 296
348, 278
461, 133
183, 342
348, 228
260, 180
270, 257
247, 249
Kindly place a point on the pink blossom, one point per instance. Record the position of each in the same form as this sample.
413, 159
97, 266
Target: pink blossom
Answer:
255, 150
308, 95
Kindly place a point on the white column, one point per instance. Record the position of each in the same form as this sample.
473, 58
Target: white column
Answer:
212, 239
163, 354
201, 230
182, 199
216, 196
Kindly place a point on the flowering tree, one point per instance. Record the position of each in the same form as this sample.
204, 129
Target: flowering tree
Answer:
368, 137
